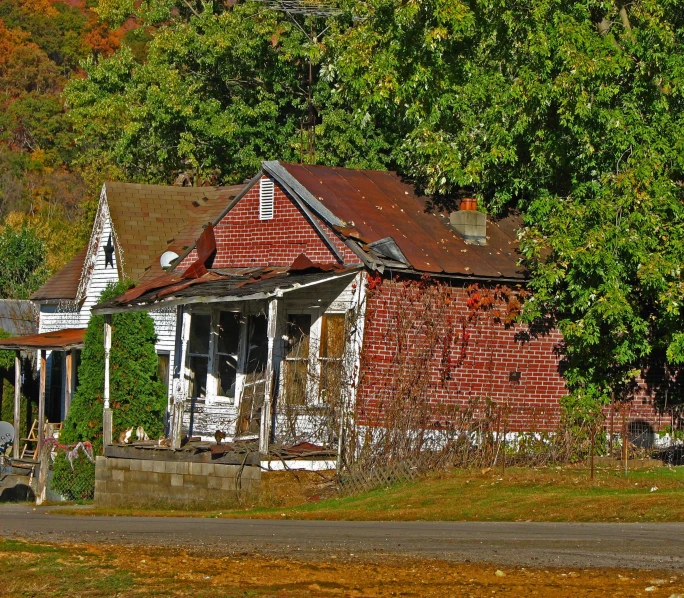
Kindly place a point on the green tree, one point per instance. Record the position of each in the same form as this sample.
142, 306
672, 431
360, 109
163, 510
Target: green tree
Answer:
22, 256
137, 397
221, 89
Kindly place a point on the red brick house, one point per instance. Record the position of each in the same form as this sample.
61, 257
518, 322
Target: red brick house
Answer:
312, 273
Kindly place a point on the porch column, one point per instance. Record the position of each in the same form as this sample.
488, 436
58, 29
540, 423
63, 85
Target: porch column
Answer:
107, 413
180, 378
41, 400
17, 403
275, 311
68, 381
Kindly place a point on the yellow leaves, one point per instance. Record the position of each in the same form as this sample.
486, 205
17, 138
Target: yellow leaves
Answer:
43, 7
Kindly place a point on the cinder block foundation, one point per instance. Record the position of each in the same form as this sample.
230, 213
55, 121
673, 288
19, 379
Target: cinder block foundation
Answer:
141, 482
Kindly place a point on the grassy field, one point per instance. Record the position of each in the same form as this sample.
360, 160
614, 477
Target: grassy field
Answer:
29, 570
521, 494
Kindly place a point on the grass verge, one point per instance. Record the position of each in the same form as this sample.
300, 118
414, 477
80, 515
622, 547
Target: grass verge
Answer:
521, 494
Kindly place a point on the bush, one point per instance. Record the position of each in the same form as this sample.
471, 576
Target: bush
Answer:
137, 397
73, 484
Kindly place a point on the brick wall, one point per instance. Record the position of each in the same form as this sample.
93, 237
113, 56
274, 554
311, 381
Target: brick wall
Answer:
466, 360
243, 240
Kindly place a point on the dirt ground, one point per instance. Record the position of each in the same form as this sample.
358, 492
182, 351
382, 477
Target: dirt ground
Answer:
39, 570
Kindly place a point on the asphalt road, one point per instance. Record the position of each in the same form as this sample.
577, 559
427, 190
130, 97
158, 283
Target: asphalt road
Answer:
637, 546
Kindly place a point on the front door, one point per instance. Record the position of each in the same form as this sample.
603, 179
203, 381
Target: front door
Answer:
254, 385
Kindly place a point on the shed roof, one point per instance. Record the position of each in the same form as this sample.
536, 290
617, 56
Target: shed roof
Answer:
63, 285
370, 205
227, 284
60, 340
18, 316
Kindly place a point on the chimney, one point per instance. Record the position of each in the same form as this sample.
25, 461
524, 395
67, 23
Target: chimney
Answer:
469, 223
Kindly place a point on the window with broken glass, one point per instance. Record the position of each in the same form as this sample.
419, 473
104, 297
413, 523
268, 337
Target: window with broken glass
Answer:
198, 354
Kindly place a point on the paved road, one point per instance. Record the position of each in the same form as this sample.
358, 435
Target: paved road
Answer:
639, 546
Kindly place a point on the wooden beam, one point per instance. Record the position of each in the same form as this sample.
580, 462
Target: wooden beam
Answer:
68, 381
180, 382
41, 400
275, 309
17, 403
107, 414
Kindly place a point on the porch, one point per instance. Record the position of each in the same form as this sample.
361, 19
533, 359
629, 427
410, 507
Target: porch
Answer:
60, 349
262, 355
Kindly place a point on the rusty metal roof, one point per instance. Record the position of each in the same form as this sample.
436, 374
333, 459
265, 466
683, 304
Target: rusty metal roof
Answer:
368, 206
228, 283
60, 340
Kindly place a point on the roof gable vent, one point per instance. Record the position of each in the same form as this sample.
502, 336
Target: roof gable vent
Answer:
266, 199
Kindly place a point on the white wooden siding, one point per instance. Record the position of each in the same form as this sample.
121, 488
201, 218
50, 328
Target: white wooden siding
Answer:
68, 315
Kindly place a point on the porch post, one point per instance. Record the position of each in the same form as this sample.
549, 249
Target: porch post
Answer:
274, 311
41, 400
180, 382
68, 366
107, 413
17, 403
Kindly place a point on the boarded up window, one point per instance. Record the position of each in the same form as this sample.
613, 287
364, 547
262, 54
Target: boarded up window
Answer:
199, 354
331, 353
297, 358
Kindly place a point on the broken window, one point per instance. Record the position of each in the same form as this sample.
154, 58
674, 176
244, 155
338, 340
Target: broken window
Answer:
297, 358
198, 352
255, 369
163, 368
227, 352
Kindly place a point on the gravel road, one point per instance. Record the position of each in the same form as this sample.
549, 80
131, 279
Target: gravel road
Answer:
630, 545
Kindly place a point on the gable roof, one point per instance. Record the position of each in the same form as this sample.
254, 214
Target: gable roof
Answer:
152, 219
63, 285
148, 220
368, 206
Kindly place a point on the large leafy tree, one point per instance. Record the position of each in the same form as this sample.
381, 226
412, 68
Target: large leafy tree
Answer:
23, 263
221, 89
570, 112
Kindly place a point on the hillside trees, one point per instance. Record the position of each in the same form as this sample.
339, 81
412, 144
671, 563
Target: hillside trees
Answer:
41, 45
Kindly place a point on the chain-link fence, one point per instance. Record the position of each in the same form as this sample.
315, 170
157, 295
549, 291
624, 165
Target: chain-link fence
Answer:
66, 472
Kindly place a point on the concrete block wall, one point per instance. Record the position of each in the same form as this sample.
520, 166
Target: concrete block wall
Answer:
131, 482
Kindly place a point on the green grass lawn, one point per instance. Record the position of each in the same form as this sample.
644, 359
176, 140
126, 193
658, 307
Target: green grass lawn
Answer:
521, 494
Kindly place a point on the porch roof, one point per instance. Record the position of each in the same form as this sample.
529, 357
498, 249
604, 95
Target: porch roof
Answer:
222, 285
59, 340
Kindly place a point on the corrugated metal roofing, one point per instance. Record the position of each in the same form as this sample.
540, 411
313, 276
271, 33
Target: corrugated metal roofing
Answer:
230, 282
378, 204
69, 338
18, 317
